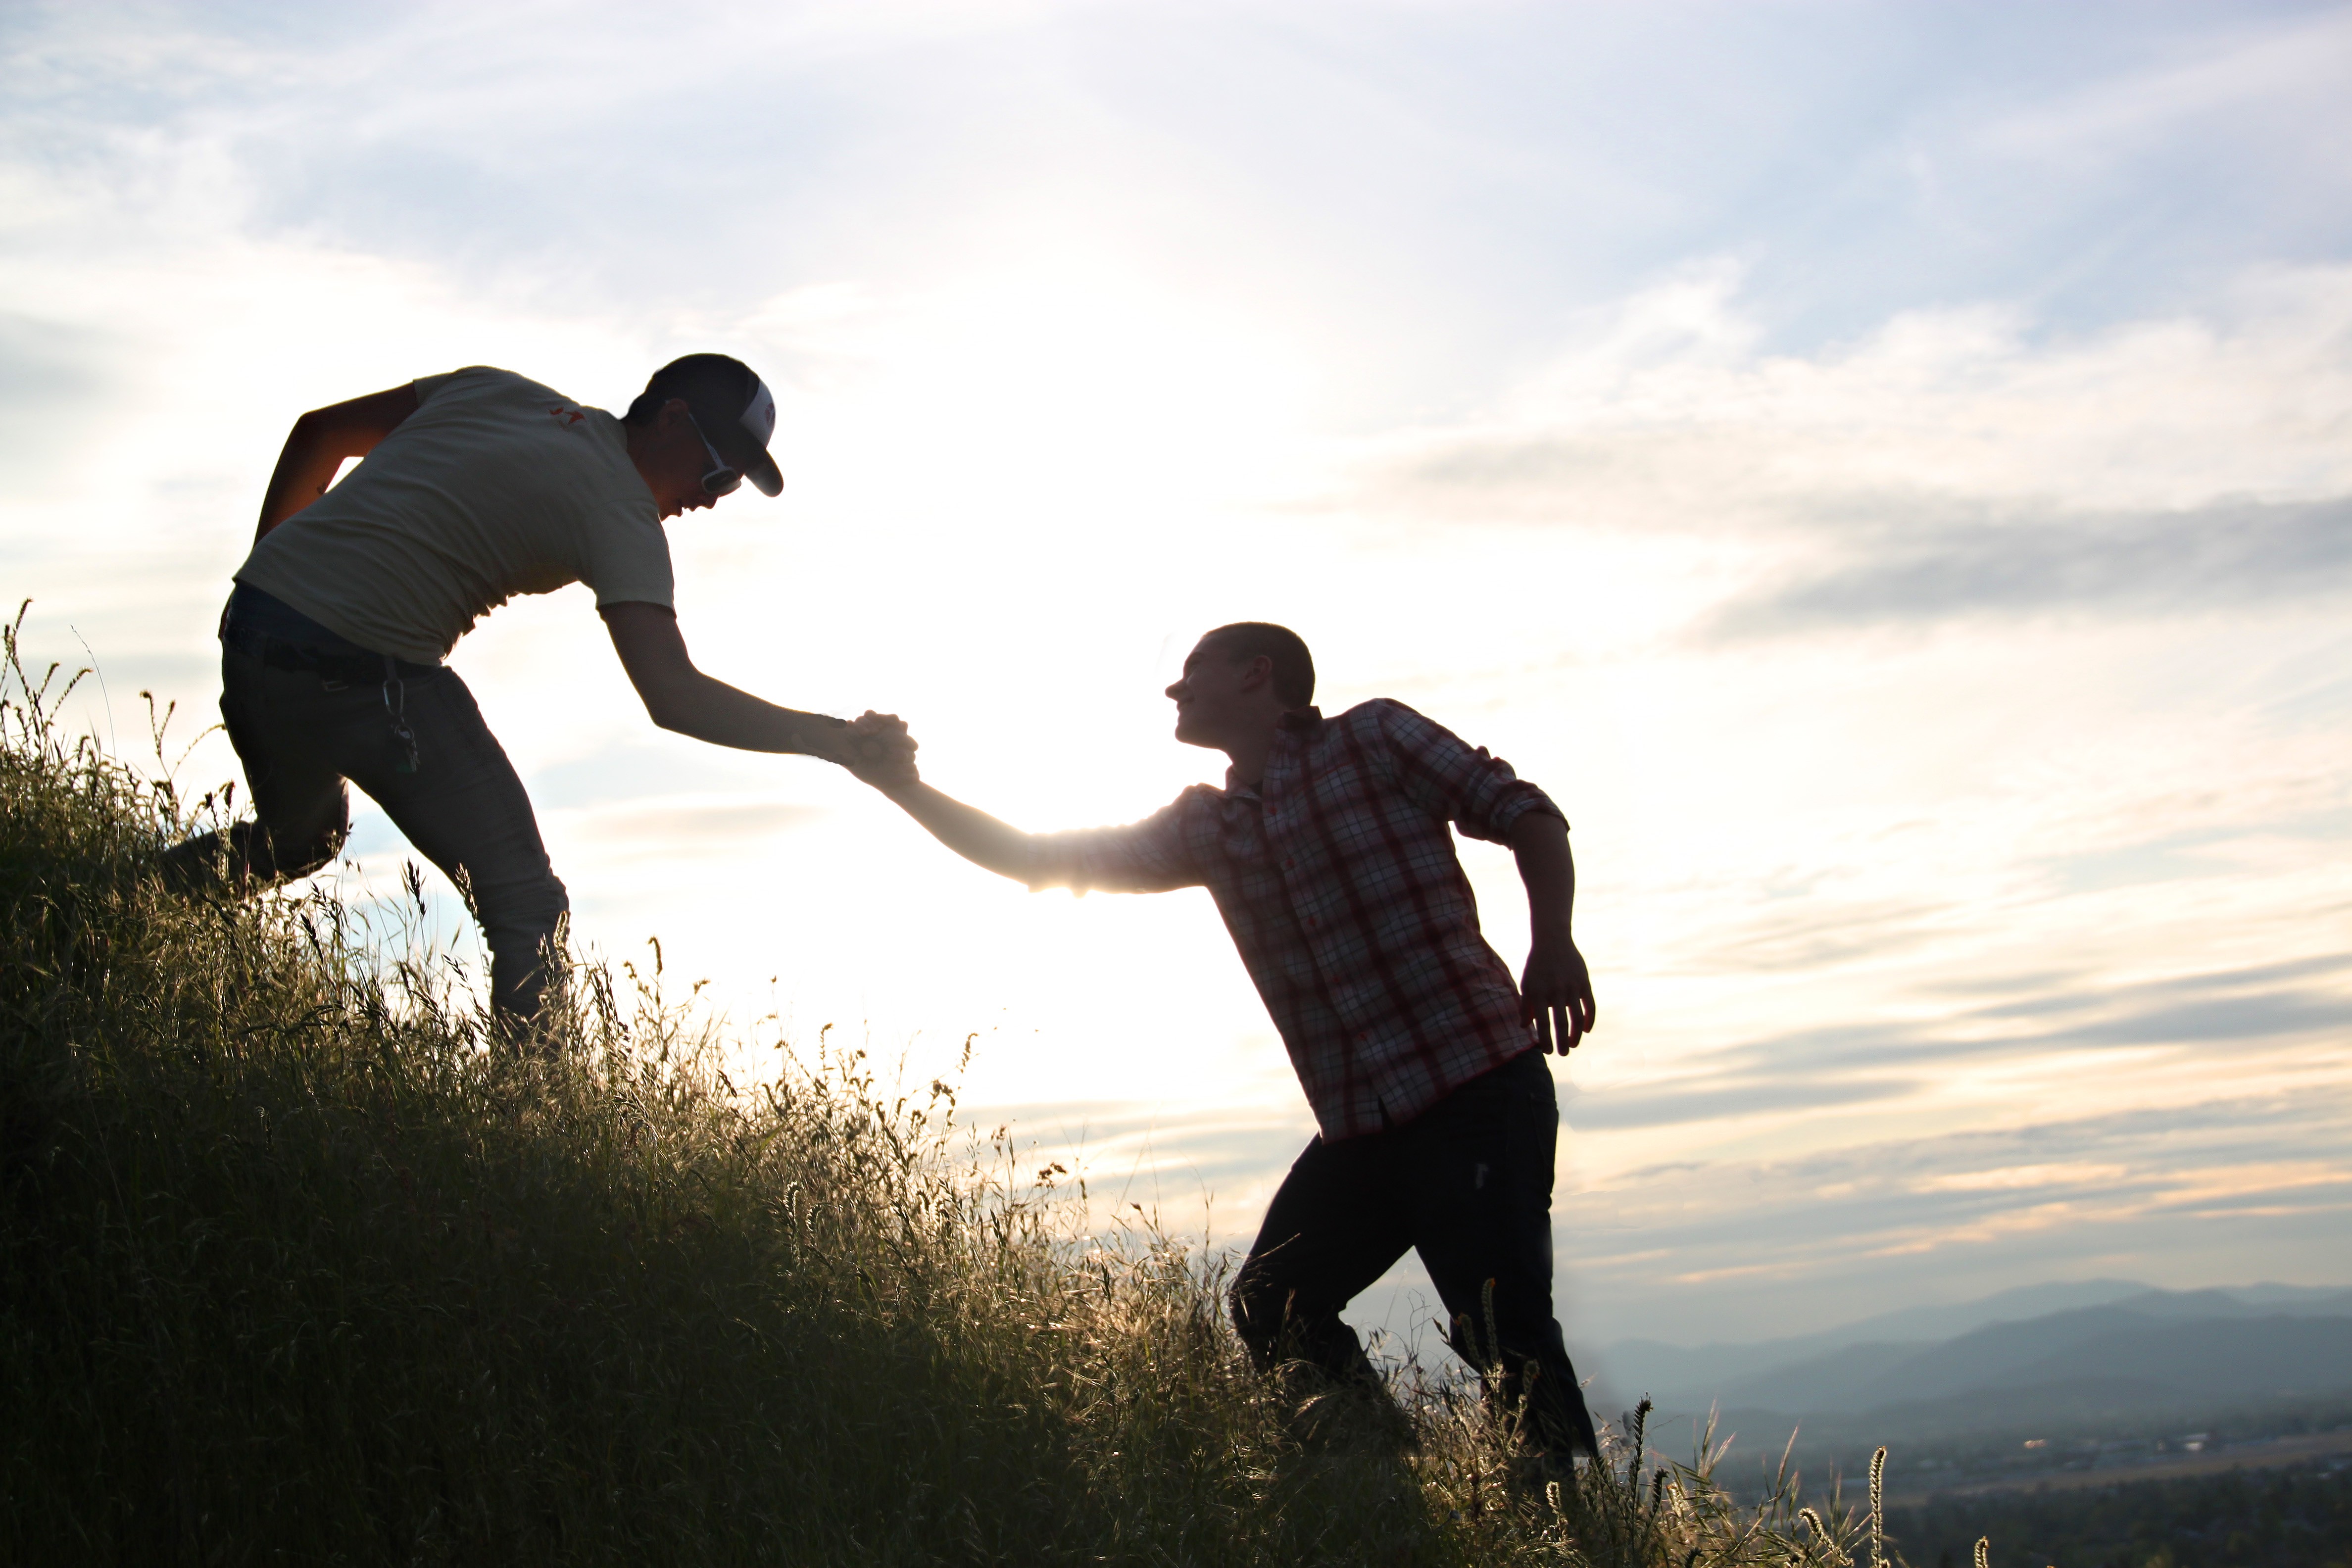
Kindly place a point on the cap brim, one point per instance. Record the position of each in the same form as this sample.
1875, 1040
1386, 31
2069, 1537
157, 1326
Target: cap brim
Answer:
762, 470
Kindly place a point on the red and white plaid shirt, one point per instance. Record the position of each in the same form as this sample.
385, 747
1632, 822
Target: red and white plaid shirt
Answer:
1337, 878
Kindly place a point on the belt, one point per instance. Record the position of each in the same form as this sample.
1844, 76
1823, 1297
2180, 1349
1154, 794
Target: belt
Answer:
348, 669
337, 669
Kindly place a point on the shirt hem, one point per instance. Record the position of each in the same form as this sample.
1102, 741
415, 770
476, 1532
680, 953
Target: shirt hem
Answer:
295, 595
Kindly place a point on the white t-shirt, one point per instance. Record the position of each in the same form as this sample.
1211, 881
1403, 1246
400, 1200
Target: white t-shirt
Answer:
496, 486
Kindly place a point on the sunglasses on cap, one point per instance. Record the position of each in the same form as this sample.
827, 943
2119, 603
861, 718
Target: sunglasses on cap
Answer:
723, 479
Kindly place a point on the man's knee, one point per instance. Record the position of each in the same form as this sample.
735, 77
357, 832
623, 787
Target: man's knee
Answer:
248, 855
1259, 1314
1273, 1323
1276, 1327
290, 856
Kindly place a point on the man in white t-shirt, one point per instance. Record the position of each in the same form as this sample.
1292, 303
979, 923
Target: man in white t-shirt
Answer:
474, 486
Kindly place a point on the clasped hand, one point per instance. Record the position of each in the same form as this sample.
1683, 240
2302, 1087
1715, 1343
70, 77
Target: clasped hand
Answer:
877, 750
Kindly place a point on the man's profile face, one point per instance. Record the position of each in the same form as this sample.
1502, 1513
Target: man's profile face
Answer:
1208, 695
674, 462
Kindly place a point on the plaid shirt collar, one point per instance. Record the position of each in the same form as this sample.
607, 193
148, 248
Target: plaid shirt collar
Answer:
1303, 722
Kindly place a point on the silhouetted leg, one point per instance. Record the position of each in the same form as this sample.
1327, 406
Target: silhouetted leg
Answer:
301, 811
1480, 1166
465, 811
1334, 1227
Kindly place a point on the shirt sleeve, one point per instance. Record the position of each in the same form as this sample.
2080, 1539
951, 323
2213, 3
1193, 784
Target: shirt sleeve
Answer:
1448, 777
624, 549
626, 560
1153, 856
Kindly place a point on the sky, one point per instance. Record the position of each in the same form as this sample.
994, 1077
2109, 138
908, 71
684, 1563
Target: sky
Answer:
1884, 468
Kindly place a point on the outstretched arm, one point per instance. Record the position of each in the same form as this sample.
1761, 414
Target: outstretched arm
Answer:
319, 442
681, 698
1556, 992
993, 845
970, 832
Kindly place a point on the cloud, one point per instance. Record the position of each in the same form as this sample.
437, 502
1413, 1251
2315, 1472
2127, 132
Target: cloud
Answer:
1828, 934
1729, 1096
2222, 1190
2219, 429
2299, 64
1845, 1065
2259, 1016
2221, 556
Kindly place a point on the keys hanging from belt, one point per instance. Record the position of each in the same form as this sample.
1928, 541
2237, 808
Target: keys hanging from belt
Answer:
395, 703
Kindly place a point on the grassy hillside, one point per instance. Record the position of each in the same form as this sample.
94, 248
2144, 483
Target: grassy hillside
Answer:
291, 1269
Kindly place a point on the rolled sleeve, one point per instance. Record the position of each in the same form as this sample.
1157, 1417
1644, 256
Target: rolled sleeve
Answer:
1448, 777
1153, 856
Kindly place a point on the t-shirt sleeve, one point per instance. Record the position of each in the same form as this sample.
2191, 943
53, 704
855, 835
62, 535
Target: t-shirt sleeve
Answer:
1153, 856
1448, 777
625, 559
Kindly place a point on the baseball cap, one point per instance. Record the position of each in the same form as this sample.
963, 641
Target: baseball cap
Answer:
733, 407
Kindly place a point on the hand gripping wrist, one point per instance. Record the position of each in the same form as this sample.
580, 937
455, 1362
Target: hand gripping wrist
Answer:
819, 735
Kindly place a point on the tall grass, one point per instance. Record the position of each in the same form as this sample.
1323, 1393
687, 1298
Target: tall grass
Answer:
294, 1268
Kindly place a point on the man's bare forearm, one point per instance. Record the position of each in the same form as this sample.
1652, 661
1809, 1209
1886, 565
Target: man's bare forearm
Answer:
1541, 842
998, 846
681, 698
708, 709
1556, 990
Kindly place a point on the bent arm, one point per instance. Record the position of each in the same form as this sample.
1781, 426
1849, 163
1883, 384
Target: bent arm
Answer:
679, 697
319, 442
1556, 992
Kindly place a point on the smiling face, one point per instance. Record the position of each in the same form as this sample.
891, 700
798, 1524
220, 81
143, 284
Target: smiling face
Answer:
1218, 696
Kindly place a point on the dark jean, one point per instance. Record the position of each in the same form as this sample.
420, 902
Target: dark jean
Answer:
301, 734
1467, 1185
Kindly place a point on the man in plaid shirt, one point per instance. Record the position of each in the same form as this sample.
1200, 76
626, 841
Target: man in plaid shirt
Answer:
1328, 855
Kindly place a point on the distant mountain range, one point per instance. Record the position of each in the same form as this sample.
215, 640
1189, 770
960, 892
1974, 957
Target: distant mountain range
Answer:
2075, 1353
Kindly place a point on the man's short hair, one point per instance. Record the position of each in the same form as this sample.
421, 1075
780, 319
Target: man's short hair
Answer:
1294, 666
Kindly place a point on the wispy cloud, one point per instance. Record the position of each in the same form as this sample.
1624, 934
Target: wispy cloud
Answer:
2167, 1196
1667, 415
1846, 1064
2221, 85
1918, 571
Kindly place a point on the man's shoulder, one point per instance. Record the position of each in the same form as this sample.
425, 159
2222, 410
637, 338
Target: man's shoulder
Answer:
1374, 716
1370, 712
1194, 807
1196, 797
492, 383
1384, 728
500, 417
